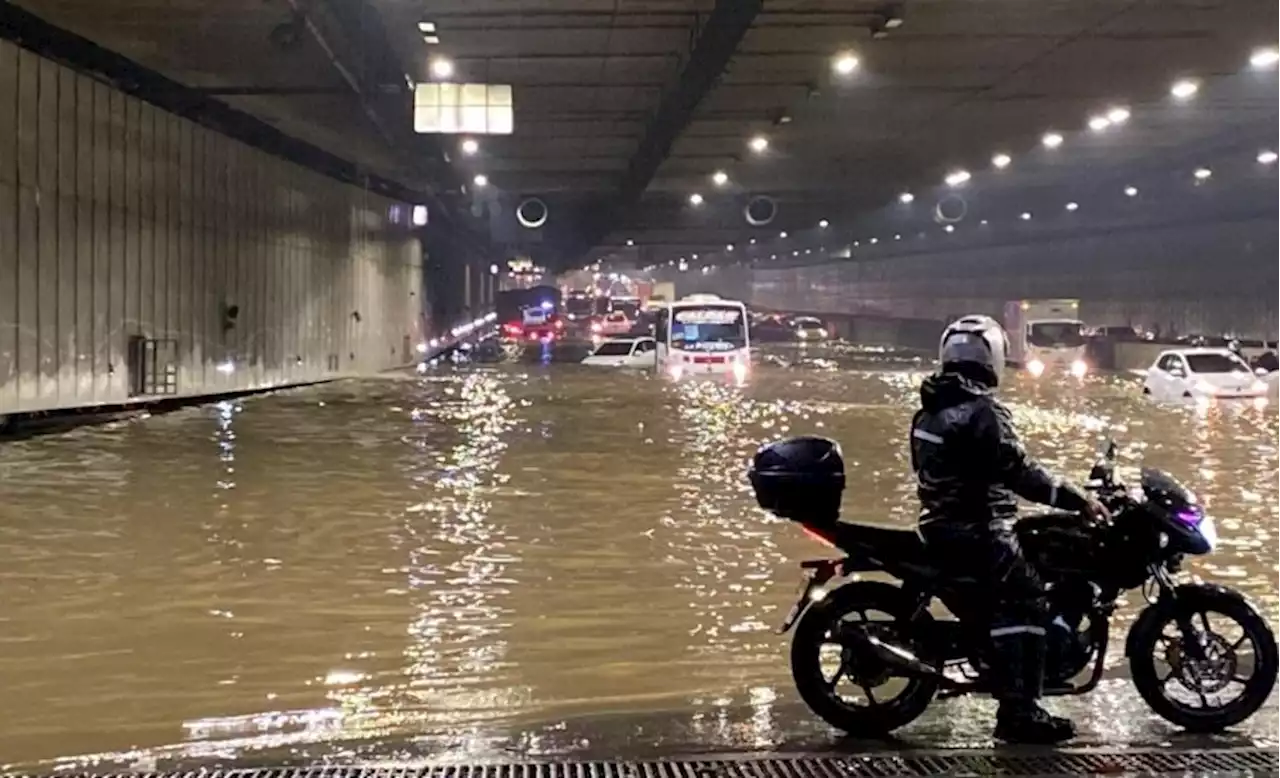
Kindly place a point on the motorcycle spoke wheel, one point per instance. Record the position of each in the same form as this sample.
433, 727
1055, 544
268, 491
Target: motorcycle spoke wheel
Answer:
1205, 668
844, 682
1214, 682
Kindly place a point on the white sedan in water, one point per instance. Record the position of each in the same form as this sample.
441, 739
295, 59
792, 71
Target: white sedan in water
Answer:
1202, 374
624, 352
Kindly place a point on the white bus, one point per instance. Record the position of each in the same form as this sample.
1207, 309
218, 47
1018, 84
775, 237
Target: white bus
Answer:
704, 335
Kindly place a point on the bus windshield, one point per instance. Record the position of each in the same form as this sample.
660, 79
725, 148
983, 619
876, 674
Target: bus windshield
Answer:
1056, 334
708, 328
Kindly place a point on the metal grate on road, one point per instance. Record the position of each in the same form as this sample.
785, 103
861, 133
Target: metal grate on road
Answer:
1141, 762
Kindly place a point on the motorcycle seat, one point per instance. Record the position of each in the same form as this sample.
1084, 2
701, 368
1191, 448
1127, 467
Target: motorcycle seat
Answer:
884, 544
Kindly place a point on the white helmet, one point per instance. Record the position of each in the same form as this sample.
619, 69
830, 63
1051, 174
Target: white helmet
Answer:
976, 347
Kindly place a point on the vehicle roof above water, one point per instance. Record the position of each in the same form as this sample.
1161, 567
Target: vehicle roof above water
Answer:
1197, 351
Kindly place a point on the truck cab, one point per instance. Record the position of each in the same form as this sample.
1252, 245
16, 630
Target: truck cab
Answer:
1047, 336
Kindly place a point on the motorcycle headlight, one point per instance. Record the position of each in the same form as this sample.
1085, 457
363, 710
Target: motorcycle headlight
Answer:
1079, 368
1036, 368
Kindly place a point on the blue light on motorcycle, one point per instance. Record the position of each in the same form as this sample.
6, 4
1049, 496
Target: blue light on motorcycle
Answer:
1202, 524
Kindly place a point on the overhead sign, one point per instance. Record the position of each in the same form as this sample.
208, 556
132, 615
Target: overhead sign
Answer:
471, 109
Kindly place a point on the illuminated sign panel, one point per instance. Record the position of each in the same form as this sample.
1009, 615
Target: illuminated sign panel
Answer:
709, 316
472, 109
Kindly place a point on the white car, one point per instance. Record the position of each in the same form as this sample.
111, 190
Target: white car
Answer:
623, 352
615, 323
809, 329
1201, 373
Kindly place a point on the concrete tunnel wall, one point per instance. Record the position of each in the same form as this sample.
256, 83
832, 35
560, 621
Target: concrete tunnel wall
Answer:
119, 221
1186, 278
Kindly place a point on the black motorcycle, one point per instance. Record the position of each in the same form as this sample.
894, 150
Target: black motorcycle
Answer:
1192, 644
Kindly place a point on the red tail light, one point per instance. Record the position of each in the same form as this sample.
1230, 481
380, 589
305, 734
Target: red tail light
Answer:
512, 329
818, 535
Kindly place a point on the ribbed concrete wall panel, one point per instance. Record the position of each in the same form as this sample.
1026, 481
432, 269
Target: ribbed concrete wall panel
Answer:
121, 222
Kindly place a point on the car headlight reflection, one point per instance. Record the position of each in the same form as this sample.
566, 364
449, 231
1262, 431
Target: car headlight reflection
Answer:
1035, 367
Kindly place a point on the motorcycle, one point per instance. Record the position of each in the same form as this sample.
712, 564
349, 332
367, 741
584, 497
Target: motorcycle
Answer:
1086, 565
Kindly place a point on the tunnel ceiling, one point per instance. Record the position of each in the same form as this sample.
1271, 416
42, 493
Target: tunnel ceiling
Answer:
602, 86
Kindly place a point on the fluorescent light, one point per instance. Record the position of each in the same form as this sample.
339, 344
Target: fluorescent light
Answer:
752, 241
470, 147
1264, 58
431, 40
1025, 216
958, 177
824, 224
442, 68
897, 237
1202, 173
1118, 115
1131, 191
1184, 89
893, 22
729, 247
1051, 140
480, 180
874, 241
1099, 123
426, 27
1072, 206
420, 215
1001, 160
906, 198
695, 199
630, 242
1267, 157
720, 178
950, 228
844, 64
782, 234
759, 144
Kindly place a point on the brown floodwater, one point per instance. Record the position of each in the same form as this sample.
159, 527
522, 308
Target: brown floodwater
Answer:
501, 561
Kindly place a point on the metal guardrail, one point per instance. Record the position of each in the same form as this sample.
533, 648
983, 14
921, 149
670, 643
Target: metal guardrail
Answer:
1240, 761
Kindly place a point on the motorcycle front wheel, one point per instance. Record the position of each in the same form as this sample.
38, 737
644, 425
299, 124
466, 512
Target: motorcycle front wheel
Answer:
823, 668
1228, 685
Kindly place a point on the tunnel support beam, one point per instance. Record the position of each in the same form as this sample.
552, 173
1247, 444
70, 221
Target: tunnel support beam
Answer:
721, 35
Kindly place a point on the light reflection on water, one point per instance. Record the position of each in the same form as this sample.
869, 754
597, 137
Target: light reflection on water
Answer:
533, 559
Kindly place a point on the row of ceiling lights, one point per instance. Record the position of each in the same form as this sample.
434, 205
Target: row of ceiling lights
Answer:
1181, 90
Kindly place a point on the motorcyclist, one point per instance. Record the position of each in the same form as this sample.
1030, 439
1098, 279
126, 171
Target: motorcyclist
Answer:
970, 467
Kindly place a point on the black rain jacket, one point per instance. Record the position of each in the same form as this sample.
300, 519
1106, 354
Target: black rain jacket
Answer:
970, 466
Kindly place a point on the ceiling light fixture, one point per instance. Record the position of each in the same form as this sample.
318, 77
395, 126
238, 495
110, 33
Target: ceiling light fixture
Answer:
442, 68
1131, 191
874, 241
752, 241
1051, 140
759, 144
720, 178
1184, 89
695, 199
1099, 123
1203, 173
844, 63
782, 234
1025, 216
1118, 115
427, 27
906, 198
958, 177
1264, 58
1267, 157
824, 224
950, 228
470, 147
431, 40
897, 236
630, 242
481, 180
728, 247
1073, 206
1001, 160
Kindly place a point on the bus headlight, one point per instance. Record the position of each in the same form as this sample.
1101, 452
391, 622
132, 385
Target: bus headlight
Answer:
1079, 368
1035, 367
675, 371
740, 372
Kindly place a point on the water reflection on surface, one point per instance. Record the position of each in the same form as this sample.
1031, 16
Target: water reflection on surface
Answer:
509, 560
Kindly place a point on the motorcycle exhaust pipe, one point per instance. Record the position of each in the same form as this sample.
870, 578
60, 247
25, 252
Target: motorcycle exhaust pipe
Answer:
900, 659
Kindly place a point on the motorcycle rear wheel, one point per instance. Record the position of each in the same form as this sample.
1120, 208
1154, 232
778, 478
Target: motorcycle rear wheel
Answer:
819, 693
1149, 640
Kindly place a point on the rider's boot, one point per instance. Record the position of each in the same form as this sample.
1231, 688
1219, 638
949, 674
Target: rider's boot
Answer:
1020, 718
